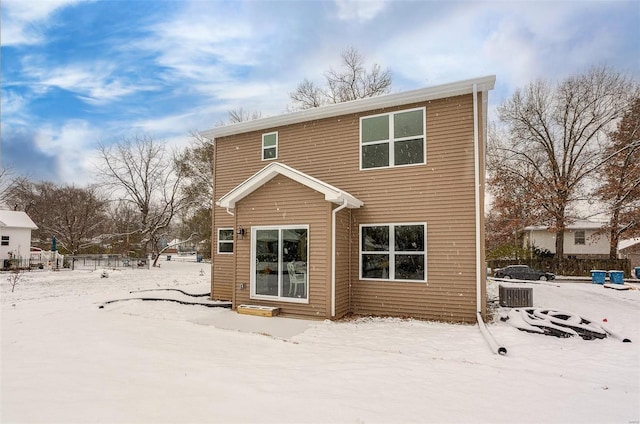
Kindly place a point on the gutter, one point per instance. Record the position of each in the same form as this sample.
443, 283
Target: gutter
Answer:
493, 344
334, 214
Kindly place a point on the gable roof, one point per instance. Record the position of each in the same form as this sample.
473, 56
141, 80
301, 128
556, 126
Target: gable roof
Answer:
266, 174
16, 219
361, 105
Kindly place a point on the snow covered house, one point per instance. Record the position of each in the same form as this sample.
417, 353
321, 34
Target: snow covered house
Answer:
15, 237
373, 206
582, 240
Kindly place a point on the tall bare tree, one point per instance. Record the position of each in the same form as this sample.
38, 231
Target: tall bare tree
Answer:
145, 175
76, 216
350, 82
556, 138
620, 177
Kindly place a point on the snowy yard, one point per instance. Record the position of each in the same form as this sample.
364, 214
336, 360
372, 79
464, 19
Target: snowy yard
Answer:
65, 360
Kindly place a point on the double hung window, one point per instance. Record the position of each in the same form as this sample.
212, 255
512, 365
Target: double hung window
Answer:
395, 252
5, 241
225, 240
579, 237
393, 139
270, 146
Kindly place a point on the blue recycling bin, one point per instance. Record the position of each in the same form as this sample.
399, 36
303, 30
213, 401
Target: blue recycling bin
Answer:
616, 277
637, 269
598, 276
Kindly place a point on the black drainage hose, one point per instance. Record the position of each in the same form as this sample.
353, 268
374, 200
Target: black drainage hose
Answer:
182, 302
178, 290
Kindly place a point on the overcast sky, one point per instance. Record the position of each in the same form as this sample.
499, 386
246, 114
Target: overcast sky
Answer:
76, 73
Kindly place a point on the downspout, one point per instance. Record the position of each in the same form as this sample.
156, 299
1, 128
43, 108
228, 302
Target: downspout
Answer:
493, 344
334, 214
230, 212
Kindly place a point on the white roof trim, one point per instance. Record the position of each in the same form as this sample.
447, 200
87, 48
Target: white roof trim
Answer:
266, 174
355, 106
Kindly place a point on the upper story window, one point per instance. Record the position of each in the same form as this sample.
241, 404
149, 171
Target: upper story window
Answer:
270, 146
5, 241
393, 139
225, 240
579, 237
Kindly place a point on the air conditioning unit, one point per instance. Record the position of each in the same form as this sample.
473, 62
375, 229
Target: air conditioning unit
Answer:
516, 297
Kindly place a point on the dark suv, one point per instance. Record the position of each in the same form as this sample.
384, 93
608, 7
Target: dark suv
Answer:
523, 272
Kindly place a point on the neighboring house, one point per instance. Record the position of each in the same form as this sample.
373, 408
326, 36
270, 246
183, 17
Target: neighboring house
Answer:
373, 206
582, 240
15, 236
630, 249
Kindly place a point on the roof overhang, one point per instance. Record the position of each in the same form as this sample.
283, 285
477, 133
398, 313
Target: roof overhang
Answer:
355, 106
266, 174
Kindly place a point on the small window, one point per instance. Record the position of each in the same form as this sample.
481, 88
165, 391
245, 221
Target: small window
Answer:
394, 139
225, 240
270, 146
5, 241
579, 237
395, 252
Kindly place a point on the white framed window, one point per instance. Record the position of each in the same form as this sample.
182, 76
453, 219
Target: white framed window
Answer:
393, 252
5, 241
279, 263
270, 146
579, 237
225, 240
393, 139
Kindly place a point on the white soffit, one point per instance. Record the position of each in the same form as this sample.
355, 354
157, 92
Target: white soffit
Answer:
266, 174
355, 106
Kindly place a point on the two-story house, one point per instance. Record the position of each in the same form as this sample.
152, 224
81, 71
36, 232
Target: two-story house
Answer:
373, 206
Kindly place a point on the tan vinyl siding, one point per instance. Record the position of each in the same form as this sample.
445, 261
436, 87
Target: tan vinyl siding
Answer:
439, 193
343, 259
282, 201
222, 265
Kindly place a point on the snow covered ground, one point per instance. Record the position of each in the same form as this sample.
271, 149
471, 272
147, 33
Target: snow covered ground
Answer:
65, 360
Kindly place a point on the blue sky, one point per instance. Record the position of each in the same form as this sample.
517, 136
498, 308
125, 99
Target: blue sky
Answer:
79, 73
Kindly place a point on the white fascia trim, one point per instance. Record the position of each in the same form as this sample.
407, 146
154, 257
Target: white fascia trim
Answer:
390, 100
331, 193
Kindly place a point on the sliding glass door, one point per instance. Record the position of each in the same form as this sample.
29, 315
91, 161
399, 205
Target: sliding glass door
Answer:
280, 263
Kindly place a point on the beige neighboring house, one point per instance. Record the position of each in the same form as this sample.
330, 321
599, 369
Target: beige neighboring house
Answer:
15, 236
373, 207
581, 240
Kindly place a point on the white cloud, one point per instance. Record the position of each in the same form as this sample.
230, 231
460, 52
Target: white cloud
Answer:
23, 21
359, 10
95, 82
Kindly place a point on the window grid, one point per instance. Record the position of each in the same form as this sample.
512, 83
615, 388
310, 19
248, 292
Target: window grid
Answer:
391, 253
392, 140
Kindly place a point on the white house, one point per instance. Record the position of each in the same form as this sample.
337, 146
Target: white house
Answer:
580, 240
15, 236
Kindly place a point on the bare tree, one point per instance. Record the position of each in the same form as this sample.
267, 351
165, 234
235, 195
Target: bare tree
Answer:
620, 177
74, 215
146, 175
241, 115
352, 81
196, 165
556, 137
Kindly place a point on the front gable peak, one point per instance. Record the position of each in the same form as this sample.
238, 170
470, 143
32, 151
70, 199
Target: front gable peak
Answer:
266, 174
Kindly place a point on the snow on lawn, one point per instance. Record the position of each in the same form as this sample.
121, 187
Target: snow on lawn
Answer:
66, 360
